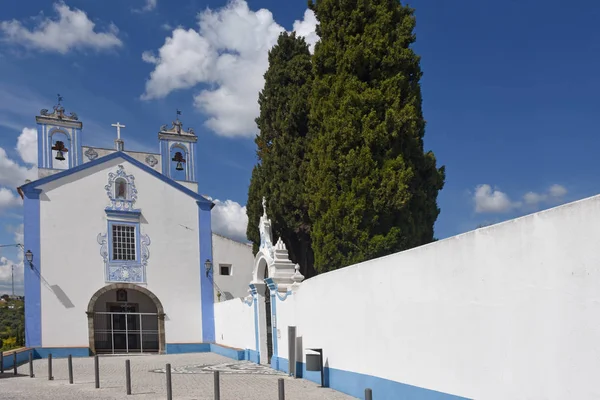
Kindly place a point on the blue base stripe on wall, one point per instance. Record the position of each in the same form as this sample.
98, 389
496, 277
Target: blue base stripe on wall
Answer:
61, 352
354, 384
178, 348
236, 354
22, 358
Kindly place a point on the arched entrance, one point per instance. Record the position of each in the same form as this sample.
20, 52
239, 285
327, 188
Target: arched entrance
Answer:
125, 318
268, 315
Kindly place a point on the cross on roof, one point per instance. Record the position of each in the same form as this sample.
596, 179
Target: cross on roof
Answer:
118, 126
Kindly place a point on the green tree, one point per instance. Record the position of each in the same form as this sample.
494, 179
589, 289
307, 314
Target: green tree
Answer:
281, 146
372, 188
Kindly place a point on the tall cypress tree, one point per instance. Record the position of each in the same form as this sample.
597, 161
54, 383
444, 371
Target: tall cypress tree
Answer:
281, 143
372, 188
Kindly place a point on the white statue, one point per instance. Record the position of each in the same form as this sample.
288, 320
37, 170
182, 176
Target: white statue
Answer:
264, 227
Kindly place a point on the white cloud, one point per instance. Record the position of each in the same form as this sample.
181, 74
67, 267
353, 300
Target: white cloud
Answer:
71, 30
8, 199
229, 219
308, 29
18, 235
557, 191
12, 174
229, 54
27, 145
491, 200
149, 6
488, 200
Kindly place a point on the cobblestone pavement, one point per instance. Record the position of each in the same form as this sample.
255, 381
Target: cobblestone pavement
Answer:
192, 379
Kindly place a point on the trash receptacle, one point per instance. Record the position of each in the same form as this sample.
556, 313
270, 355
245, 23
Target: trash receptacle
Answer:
314, 362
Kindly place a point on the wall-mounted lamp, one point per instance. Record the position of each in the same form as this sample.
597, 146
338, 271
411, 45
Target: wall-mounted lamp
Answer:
208, 266
29, 257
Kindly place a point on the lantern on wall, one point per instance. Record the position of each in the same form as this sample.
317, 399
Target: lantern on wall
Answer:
60, 149
178, 158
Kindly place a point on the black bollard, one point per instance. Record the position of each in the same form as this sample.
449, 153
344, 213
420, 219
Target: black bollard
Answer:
31, 375
70, 362
368, 394
281, 389
217, 386
128, 376
97, 371
50, 377
15, 362
1, 362
169, 386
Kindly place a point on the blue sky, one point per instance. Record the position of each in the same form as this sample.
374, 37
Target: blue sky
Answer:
510, 93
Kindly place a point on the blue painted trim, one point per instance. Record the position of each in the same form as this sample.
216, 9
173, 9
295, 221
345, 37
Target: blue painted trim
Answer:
274, 326
32, 273
193, 156
126, 157
178, 348
22, 358
273, 287
124, 213
206, 282
61, 352
255, 301
40, 145
253, 356
164, 158
233, 353
236, 354
79, 146
354, 384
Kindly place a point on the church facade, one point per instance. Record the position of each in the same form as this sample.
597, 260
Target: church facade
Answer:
118, 245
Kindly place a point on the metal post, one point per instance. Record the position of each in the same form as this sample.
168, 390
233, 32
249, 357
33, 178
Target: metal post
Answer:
368, 394
126, 334
50, 377
281, 389
97, 371
112, 332
169, 386
141, 335
217, 387
292, 350
1, 362
70, 362
128, 375
31, 375
15, 363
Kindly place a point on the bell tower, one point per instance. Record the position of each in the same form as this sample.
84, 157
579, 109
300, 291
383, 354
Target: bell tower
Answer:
59, 140
178, 152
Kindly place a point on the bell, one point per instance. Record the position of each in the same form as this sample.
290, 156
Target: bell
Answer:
179, 166
59, 155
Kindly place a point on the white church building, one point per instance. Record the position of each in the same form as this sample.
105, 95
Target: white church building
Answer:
120, 256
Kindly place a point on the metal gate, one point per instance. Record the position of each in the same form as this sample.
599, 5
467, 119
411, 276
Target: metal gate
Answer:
120, 332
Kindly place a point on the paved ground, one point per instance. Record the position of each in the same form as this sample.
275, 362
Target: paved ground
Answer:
192, 378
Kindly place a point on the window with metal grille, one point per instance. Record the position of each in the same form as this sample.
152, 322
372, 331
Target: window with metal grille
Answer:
123, 242
225, 269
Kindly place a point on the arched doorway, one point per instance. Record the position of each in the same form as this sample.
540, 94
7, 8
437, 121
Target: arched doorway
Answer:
125, 318
269, 325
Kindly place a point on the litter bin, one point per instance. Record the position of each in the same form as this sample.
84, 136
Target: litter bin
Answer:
314, 362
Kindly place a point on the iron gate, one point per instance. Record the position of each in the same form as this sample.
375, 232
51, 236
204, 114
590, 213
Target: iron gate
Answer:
120, 332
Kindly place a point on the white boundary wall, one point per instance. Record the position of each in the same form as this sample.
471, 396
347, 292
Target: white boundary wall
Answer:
511, 311
234, 324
